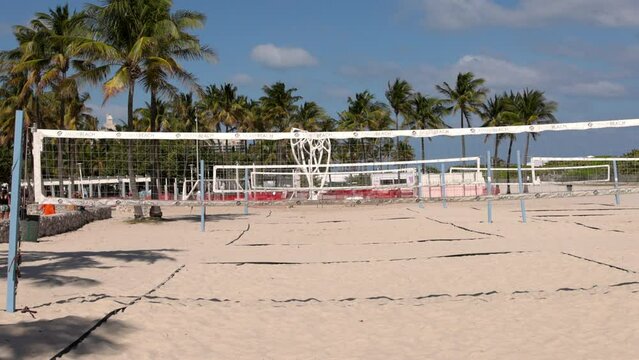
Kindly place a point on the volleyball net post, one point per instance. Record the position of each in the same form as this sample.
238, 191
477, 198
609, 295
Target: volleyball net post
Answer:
522, 201
16, 176
616, 175
202, 191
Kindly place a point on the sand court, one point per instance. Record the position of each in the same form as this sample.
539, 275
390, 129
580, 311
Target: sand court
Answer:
373, 281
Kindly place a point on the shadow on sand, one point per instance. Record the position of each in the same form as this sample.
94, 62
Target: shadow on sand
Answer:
195, 217
45, 268
42, 339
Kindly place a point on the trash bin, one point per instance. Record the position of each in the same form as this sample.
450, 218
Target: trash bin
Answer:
29, 228
569, 187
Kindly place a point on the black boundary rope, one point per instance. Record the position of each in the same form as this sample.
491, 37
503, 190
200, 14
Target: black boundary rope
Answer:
599, 262
111, 313
248, 227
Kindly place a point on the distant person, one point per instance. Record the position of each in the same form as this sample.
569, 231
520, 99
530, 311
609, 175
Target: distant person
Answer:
4, 203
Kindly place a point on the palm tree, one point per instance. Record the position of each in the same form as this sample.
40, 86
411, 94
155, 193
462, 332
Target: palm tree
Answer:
162, 63
222, 106
533, 108
497, 111
425, 113
365, 113
79, 116
398, 95
184, 110
311, 117
49, 52
513, 118
127, 33
21, 74
279, 105
466, 97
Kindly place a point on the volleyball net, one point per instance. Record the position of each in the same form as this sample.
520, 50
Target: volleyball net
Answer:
130, 168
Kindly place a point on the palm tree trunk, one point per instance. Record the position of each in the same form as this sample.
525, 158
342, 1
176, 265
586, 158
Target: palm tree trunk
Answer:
510, 148
155, 211
133, 186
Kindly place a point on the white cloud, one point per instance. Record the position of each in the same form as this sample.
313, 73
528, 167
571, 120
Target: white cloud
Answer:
594, 89
457, 14
276, 57
497, 72
500, 75
241, 79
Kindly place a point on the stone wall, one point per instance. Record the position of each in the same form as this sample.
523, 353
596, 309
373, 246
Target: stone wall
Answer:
62, 222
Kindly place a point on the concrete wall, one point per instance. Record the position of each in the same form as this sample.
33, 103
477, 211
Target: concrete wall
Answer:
62, 222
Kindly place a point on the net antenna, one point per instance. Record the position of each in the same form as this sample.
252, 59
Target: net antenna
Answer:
313, 156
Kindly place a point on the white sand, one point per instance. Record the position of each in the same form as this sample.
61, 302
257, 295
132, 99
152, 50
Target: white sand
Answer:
339, 282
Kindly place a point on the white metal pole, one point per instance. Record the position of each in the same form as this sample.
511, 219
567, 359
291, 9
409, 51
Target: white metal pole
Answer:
522, 202
197, 148
203, 210
80, 185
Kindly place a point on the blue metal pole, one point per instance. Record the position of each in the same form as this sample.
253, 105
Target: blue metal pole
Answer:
202, 190
443, 181
522, 202
246, 192
16, 175
489, 179
420, 194
616, 175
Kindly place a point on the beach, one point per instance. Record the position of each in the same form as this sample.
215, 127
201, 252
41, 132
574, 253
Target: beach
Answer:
337, 282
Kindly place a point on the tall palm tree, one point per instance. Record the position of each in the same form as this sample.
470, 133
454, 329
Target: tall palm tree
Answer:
533, 108
126, 34
425, 113
49, 52
279, 105
79, 115
311, 117
364, 113
208, 109
21, 74
163, 63
497, 111
184, 110
466, 97
398, 95
222, 106
510, 120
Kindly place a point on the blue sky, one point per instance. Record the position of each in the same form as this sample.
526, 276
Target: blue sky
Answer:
584, 54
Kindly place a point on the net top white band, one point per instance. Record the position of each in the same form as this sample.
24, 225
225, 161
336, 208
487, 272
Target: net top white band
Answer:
339, 134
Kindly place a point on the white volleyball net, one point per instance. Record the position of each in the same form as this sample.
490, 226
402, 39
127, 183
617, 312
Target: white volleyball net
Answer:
550, 175
348, 181
129, 168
